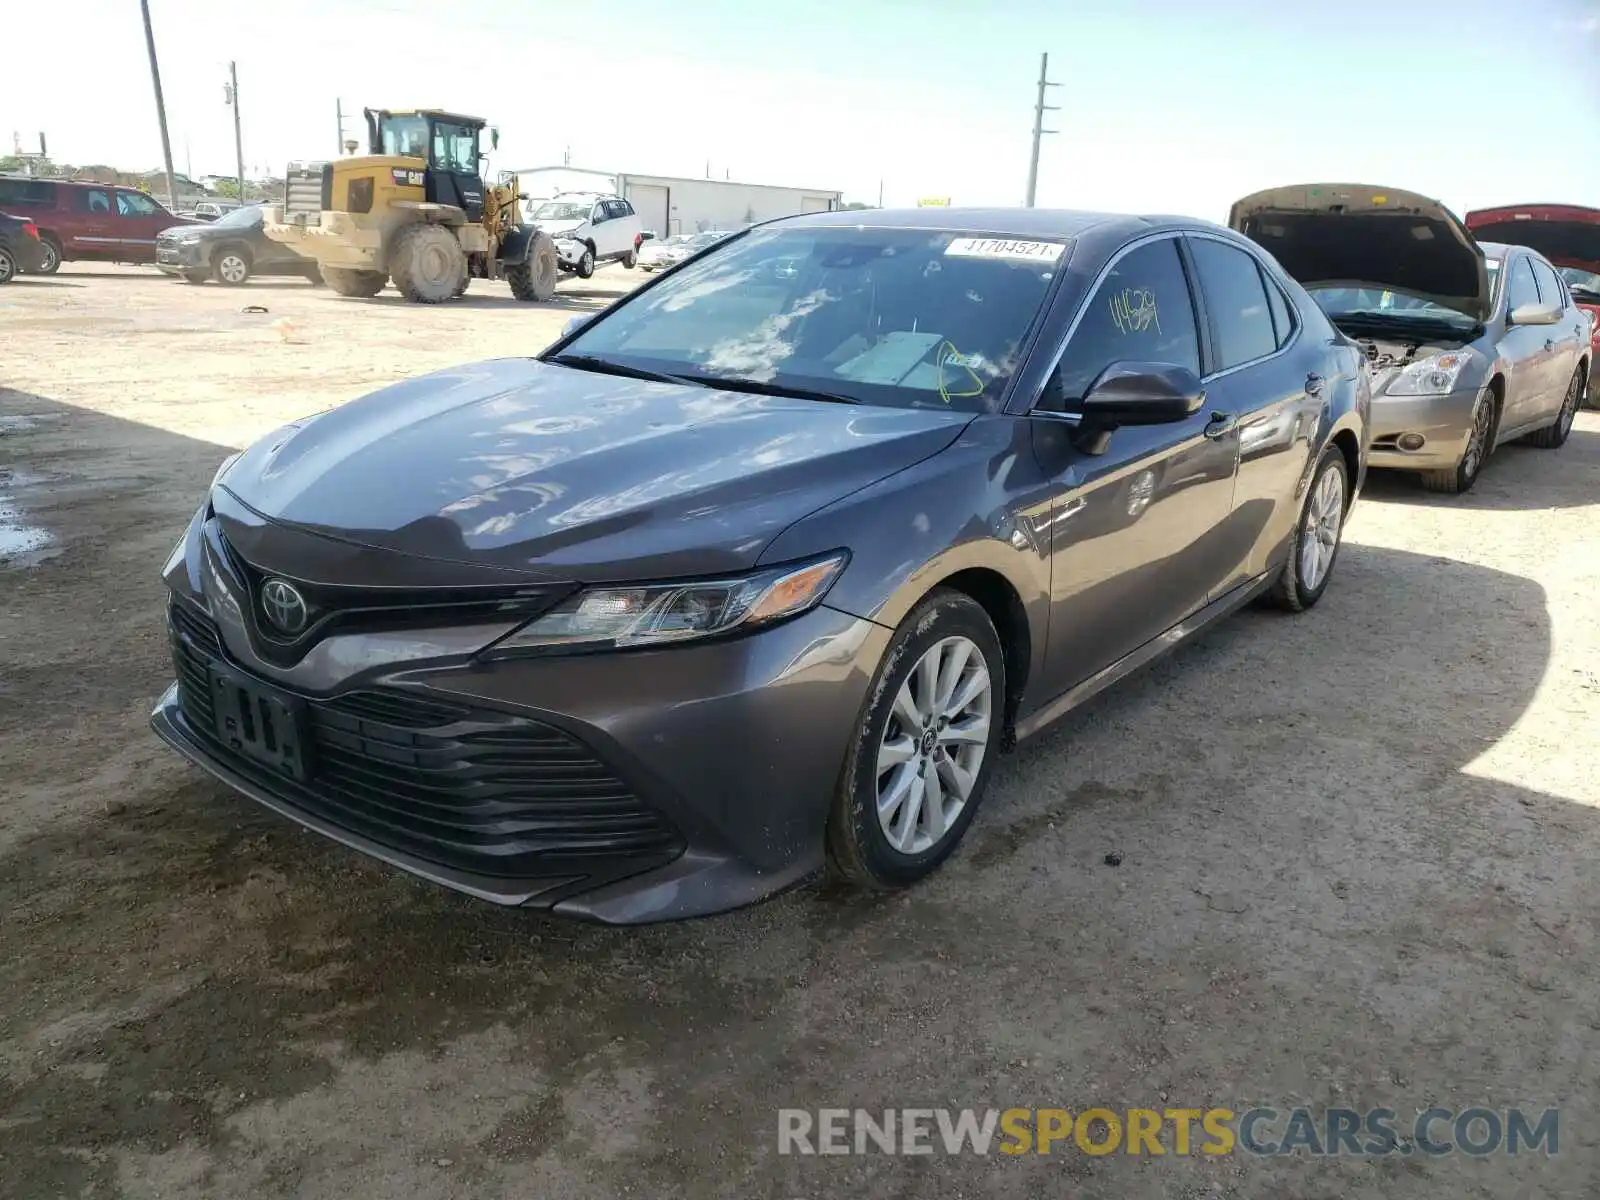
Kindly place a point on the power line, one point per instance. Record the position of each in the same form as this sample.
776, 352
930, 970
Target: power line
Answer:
1039, 110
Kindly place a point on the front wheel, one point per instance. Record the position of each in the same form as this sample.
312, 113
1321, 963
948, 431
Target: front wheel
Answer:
232, 267
346, 282
915, 772
534, 278
1480, 444
1314, 546
585, 267
8, 266
1554, 435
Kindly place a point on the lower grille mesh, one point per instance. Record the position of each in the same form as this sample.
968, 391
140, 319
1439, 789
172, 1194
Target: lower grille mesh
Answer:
469, 788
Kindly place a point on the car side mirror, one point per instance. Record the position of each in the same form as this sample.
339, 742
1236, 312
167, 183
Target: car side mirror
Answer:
1142, 393
1534, 314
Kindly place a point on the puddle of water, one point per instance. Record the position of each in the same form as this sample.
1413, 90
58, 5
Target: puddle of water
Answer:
16, 422
22, 545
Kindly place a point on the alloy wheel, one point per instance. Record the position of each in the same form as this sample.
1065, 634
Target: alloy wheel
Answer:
934, 744
1319, 539
1478, 439
232, 269
8, 267
1569, 406
49, 260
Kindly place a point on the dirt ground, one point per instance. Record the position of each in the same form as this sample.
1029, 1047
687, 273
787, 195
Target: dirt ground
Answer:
1357, 862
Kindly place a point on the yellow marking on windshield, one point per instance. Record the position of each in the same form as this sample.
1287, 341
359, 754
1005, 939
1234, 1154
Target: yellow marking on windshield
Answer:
1134, 310
948, 355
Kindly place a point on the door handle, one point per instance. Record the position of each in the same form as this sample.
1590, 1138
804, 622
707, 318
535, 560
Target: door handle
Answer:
1313, 384
1220, 425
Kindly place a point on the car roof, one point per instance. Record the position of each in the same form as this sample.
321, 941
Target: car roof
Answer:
1011, 222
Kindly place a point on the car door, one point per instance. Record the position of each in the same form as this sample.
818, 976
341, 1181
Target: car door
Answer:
94, 232
139, 219
1565, 340
1131, 531
1257, 372
1522, 350
605, 229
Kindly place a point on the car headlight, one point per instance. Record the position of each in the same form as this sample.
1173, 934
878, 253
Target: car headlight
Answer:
607, 618
1430, 376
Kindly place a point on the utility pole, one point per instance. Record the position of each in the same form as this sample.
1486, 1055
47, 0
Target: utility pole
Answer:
1039, 110
232, 91
161, 106
338, 111
880, 193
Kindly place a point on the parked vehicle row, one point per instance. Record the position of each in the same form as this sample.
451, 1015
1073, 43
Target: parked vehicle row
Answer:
669, 252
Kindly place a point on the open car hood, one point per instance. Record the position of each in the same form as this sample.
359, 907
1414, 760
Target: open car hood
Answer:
1566, 234
1353, 235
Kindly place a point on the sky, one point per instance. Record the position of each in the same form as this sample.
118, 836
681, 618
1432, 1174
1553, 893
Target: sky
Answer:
1165, 105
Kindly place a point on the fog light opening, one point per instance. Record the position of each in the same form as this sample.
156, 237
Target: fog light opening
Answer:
1410, 441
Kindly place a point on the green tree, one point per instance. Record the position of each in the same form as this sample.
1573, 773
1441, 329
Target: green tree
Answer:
228, 189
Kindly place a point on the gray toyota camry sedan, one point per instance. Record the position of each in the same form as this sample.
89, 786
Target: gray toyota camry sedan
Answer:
760, 569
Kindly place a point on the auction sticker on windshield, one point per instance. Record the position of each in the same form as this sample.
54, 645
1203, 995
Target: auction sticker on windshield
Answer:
1005, 248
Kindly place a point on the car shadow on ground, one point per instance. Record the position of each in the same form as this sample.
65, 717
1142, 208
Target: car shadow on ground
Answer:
1507, 482
1315, 899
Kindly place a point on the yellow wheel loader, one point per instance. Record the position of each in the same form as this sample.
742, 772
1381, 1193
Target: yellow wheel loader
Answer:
415, 211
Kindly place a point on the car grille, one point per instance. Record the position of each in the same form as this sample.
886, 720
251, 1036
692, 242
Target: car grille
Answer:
465, 787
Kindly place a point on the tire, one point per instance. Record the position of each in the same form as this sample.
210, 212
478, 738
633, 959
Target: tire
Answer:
354, 283
231, 266
1455, 480
1554, 435
630, 260
907, 843
534, 278
585, 267
466, 278
1310, 566
426, 262
50, 261
8, 266
195, 276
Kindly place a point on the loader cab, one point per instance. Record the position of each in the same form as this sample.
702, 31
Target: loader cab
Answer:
447, 143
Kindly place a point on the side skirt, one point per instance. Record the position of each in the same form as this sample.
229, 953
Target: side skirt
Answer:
1146, 654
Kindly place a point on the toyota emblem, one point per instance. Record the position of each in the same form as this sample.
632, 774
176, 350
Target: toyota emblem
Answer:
283, 606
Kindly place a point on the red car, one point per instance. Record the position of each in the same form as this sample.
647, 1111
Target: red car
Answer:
1569, 236
97, 221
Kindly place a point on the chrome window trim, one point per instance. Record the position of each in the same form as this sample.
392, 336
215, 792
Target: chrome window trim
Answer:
1267, 272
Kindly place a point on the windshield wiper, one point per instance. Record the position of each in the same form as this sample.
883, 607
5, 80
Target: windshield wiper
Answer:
760, 387
605, 366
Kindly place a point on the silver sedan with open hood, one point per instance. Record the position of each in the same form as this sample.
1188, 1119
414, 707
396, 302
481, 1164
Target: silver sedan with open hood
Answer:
1468, 344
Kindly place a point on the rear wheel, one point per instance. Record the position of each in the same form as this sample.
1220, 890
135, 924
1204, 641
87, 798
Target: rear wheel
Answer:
50, 256
630, 259
354, 283
1314, 546
426, 263
1480, 442
534, 278
232, 266
8, 266
1554, 435
915, 772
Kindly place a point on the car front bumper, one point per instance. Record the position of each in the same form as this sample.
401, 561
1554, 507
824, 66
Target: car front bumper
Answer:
706, 770
175, 258
1443, 422
569, 252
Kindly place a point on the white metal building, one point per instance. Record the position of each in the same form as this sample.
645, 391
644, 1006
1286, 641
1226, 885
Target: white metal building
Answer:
669, 204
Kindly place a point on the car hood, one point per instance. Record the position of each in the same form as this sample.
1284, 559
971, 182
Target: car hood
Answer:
555, 227
566, 474
1566, 234
1360, 236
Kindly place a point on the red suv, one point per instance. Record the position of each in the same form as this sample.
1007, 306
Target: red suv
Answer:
1569, 236
87, 220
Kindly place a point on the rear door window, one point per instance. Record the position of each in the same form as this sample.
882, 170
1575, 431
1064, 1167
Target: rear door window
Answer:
1141, 312
1236, 302
1282, 318
135, 204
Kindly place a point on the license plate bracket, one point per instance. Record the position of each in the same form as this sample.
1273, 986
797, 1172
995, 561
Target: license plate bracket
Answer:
260, 723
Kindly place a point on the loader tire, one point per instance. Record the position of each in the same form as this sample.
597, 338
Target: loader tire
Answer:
426, 262
534, 278
346, 282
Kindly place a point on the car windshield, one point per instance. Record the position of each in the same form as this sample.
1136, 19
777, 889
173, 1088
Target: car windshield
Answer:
902, 317
1340, 302
239, 218
1584, 284
562, 210
405, 136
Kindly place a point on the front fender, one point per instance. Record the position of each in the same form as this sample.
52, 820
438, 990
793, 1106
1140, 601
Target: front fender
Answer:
518, 243
974, 506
